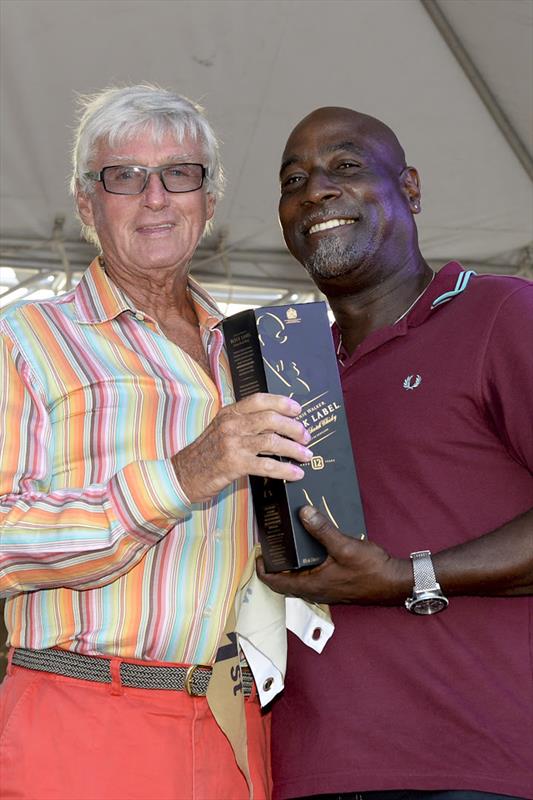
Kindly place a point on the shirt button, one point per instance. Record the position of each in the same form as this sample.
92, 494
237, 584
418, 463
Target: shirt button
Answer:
208, 611
139, 316
317, 633
219, 534
267, 685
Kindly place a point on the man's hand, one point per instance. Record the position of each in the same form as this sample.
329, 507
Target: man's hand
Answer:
355, 571
239, 442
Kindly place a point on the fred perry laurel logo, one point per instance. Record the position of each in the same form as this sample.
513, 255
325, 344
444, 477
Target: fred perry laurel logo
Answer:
412, 382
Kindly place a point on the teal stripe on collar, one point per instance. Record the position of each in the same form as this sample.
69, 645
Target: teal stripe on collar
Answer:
461, 284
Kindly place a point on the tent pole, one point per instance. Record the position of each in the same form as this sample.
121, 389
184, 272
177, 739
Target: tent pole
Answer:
479, 84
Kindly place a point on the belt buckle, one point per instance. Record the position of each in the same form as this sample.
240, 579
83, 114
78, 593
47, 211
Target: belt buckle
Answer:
189, 675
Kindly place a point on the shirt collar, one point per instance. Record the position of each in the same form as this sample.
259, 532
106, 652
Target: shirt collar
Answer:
98, 299
445, 286
207, 311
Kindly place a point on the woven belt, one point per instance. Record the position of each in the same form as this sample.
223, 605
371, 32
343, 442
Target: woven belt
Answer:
192, 679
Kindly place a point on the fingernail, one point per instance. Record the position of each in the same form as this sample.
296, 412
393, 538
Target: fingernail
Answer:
308, 513
295, 406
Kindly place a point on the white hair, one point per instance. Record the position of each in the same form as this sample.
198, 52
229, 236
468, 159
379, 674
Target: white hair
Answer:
118, 113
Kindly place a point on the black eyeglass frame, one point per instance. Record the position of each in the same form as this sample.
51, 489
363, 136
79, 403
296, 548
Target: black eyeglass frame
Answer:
100, 177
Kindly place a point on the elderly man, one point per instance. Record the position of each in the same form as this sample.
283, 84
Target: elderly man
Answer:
126, 517
438, 382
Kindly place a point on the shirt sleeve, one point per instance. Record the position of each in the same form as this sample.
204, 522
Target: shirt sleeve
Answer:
507, 375
74, 537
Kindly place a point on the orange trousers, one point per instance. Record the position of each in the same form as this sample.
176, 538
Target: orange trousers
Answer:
69, 739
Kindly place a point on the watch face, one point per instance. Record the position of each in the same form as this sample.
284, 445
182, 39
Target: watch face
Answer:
430, 606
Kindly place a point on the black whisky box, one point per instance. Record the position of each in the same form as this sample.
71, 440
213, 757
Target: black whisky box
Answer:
289, 350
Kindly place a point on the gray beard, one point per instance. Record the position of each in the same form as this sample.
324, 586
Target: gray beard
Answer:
332, 257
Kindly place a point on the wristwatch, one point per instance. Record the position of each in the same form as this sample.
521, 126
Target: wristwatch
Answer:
427, 597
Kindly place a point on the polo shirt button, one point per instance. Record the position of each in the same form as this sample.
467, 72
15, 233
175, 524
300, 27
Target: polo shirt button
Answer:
267, 685
317, 633
219, 534
139, 316
208, 611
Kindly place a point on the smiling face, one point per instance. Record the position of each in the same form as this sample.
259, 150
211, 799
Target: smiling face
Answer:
347, 197
155, 230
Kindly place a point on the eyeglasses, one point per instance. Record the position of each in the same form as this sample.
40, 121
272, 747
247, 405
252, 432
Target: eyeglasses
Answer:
127, 179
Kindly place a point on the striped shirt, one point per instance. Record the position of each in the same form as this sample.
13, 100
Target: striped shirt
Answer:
100, 550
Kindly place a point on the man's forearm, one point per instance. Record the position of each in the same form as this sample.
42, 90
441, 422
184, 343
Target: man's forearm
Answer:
86, 537
498, 563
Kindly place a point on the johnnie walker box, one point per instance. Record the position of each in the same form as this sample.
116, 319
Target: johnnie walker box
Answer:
289, 350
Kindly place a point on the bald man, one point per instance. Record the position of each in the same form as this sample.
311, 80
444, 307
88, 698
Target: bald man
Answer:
425, 689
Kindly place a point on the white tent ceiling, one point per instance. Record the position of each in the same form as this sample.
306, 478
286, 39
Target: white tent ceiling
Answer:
258, 66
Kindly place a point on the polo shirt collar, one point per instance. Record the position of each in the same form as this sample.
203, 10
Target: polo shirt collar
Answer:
449, 282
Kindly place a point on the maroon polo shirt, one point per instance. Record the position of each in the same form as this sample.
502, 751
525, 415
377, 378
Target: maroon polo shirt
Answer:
440, 409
